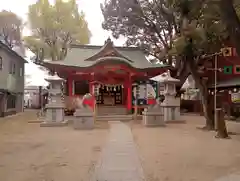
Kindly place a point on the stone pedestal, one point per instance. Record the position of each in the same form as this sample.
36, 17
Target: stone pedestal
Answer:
153, 116
84, 119
54, 116
171, 109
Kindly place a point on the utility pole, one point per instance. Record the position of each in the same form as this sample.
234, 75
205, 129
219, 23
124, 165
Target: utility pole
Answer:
215, 69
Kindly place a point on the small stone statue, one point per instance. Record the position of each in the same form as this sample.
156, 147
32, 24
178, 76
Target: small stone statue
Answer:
84, 114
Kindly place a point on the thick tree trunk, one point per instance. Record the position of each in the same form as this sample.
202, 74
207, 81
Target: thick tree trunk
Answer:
207, 105
230, 18
191, 64
221, 126
208, 108
205, 96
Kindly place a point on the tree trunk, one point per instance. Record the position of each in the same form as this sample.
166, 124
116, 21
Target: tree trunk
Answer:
221, 125
191, 64
207, 106
205, 97
230, 18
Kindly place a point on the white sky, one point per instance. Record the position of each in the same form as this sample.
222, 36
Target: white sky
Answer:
94, 18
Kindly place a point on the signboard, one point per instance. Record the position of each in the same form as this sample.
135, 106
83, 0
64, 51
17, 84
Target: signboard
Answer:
147, 92
235, 97
231, 69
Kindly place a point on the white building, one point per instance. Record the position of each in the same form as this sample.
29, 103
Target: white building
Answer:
32, 96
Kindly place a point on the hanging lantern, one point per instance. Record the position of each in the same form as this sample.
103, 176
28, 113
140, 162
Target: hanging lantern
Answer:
212, 93
230, 92
235, 90
122, 86
114, 88
209, 91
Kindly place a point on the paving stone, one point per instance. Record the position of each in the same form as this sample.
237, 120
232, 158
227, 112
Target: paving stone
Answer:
119, 160
232, 177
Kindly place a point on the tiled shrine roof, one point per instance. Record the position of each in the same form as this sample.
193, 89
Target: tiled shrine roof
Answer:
84, 56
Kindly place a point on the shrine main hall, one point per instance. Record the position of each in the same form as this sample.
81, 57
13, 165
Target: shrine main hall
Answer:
115, 70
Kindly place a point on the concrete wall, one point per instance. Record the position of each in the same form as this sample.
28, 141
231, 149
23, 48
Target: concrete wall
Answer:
4, 111
11, 82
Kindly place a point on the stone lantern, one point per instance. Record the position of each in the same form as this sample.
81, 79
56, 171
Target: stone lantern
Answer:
55, 106
171, 104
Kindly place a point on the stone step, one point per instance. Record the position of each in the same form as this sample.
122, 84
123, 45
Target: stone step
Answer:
115, 117
114, 110
112, 113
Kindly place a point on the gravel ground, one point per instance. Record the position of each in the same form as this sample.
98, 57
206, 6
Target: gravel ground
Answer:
29, 152
180, 152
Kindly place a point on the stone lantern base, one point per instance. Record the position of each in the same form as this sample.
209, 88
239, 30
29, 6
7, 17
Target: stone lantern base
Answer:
54, 116
153, 116
84, 119
54, 124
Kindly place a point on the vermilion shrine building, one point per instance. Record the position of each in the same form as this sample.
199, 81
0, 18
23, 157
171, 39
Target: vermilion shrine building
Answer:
116, 69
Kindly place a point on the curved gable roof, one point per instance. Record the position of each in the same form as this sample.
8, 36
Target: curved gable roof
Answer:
84, 56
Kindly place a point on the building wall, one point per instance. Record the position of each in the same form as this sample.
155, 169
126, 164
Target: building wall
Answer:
32, 96
11, 83
14, 82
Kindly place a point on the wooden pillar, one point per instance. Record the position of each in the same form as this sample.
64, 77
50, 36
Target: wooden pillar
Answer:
70, 86
125, 92
129, 94
91, 91
136, 102
90, 87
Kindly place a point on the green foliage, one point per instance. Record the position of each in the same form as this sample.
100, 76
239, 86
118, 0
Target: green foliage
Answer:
147, 24
10, 27
54, 27
155, 26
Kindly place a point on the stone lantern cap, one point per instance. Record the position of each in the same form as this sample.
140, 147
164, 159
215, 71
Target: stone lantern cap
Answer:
54, 77
165, 78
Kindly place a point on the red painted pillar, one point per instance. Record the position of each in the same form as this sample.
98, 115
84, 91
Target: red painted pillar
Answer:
125, 85
91, 92
90, 87
129, 94
70, 86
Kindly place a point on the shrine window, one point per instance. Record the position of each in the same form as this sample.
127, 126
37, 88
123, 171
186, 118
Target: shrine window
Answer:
81, 87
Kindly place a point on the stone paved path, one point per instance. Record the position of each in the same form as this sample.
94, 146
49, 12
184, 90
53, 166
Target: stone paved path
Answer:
233, 177
120, 160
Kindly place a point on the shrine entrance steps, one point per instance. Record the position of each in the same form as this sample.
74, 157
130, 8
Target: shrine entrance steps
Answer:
113, 110
113, 113
115, 118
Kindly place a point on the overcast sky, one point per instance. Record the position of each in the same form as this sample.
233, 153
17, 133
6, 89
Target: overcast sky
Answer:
94, 18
